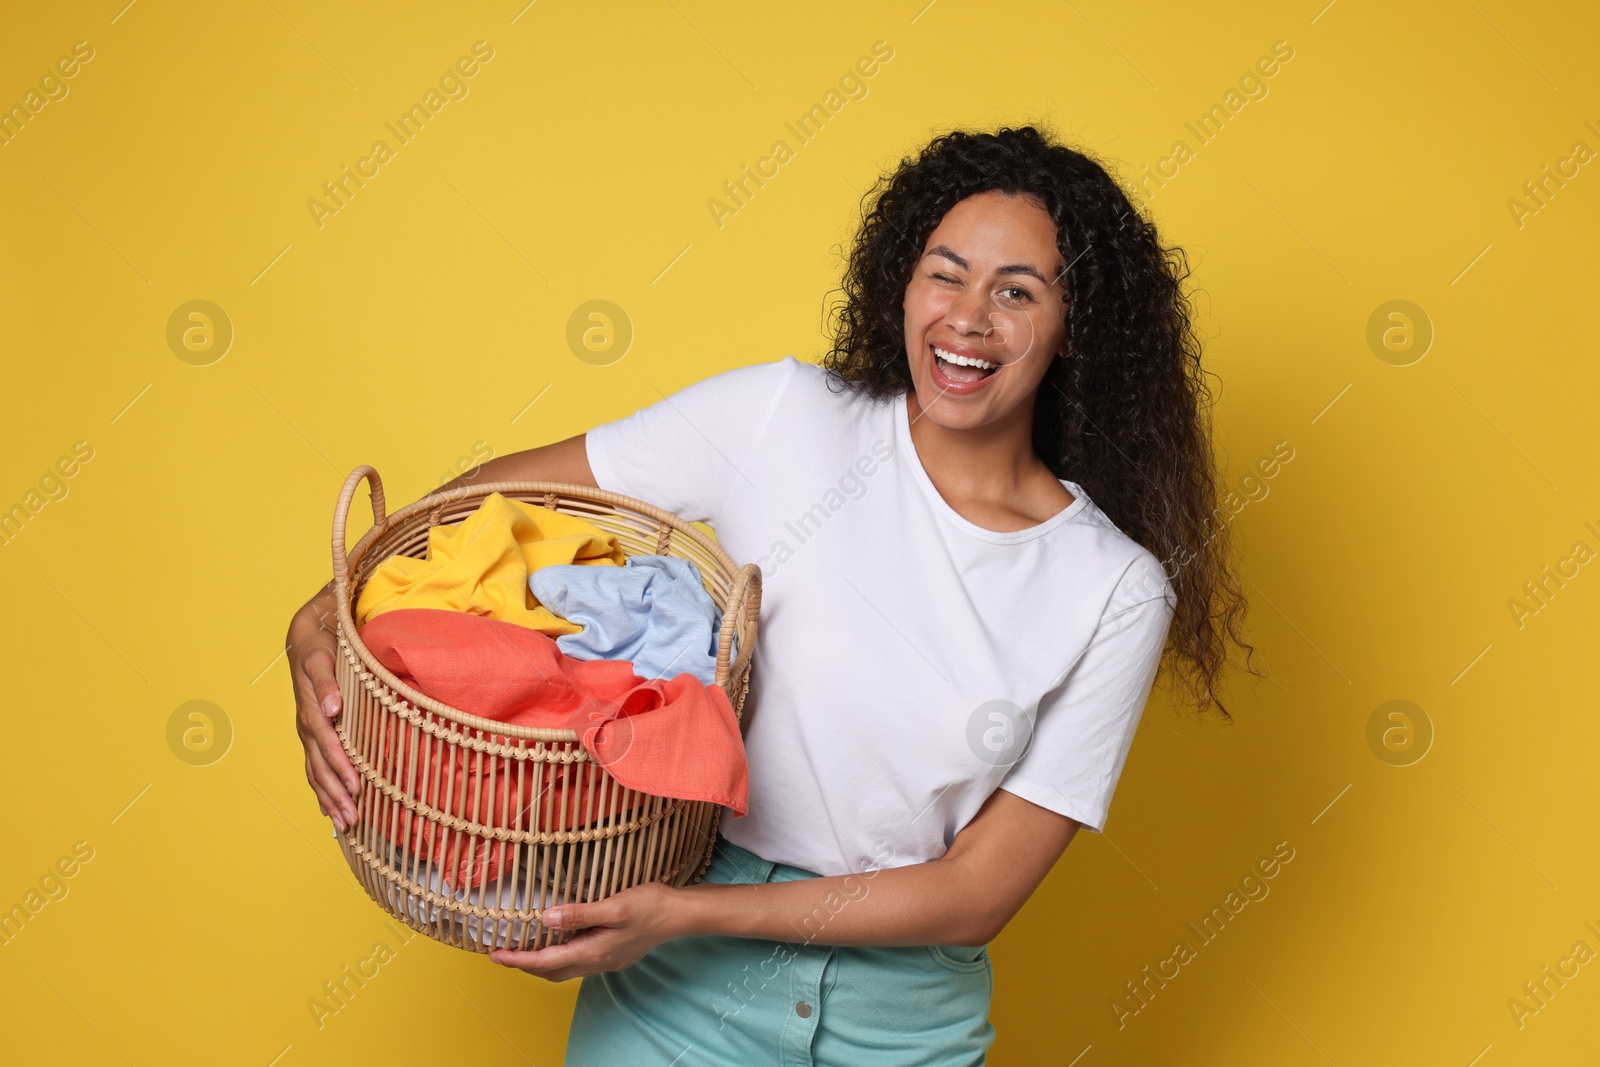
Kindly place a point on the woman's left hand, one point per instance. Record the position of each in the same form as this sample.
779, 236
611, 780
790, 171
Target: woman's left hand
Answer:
617, 932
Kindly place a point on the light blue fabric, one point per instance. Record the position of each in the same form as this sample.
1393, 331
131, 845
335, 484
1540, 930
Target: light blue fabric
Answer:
719, 1001
653, 611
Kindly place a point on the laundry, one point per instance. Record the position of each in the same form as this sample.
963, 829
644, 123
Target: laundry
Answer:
670, 738
653, 612
504, 893
481, 565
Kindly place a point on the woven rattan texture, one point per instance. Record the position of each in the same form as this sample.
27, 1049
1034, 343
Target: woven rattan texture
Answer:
407, 746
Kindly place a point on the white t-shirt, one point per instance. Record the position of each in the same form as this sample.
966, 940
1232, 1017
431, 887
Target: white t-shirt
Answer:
908, 662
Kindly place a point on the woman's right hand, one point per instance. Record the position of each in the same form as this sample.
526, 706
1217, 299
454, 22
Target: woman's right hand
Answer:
311, 646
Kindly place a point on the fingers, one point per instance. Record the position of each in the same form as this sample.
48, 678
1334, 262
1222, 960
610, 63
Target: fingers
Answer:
318, 667
337, 800
325, 803
563, 975
317, 693
319, 737
331, 749
556, 963
317, 704
531, 961
578, 916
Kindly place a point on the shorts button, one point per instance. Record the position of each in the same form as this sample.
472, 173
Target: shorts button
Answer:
803, 1010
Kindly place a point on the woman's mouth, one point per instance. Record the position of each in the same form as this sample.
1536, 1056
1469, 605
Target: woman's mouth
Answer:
958, 373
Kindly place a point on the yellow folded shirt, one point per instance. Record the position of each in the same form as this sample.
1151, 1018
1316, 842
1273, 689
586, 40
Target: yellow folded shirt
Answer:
481, 565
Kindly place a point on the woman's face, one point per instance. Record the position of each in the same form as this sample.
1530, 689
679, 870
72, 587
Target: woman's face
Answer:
988, 288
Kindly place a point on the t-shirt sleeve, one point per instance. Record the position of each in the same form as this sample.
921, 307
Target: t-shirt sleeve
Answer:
1084, 727
684, 452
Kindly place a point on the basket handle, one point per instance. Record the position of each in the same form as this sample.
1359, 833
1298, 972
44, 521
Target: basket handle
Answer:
341, 512
744, 599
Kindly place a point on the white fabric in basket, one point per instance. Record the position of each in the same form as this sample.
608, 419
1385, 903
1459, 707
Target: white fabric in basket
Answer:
496, 894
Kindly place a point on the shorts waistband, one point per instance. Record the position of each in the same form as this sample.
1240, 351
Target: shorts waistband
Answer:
753, 868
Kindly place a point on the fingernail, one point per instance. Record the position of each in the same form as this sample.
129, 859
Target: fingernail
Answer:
330, 704
552, 918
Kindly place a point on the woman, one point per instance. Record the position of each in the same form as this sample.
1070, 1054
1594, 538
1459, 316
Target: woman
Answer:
957, 641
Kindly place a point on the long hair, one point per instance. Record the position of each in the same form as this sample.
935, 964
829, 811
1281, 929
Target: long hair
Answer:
1126, 415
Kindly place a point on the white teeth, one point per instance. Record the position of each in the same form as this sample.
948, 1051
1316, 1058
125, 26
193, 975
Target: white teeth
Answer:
965, 361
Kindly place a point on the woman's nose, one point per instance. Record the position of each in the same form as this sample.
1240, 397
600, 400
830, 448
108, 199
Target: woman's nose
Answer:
968, 312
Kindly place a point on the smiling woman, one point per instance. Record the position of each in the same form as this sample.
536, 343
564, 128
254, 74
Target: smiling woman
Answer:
953, 667
1013, 249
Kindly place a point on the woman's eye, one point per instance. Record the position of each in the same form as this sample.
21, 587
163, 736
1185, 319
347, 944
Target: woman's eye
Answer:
1021, 293
943, 278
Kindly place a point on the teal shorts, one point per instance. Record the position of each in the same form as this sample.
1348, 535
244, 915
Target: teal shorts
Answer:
743, 1002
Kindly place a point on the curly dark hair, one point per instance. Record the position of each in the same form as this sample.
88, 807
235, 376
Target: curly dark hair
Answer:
1126, 414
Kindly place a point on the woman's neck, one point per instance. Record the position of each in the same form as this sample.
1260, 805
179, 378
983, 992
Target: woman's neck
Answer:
987, 463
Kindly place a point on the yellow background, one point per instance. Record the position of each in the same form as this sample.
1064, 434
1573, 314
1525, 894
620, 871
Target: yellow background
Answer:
426, 315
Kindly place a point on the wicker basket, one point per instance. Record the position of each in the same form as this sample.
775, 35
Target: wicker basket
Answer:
397, 738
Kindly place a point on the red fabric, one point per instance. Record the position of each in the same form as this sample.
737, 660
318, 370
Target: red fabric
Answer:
675, 737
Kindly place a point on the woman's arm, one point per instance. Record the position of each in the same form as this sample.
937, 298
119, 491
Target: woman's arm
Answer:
311, 643
965, 897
